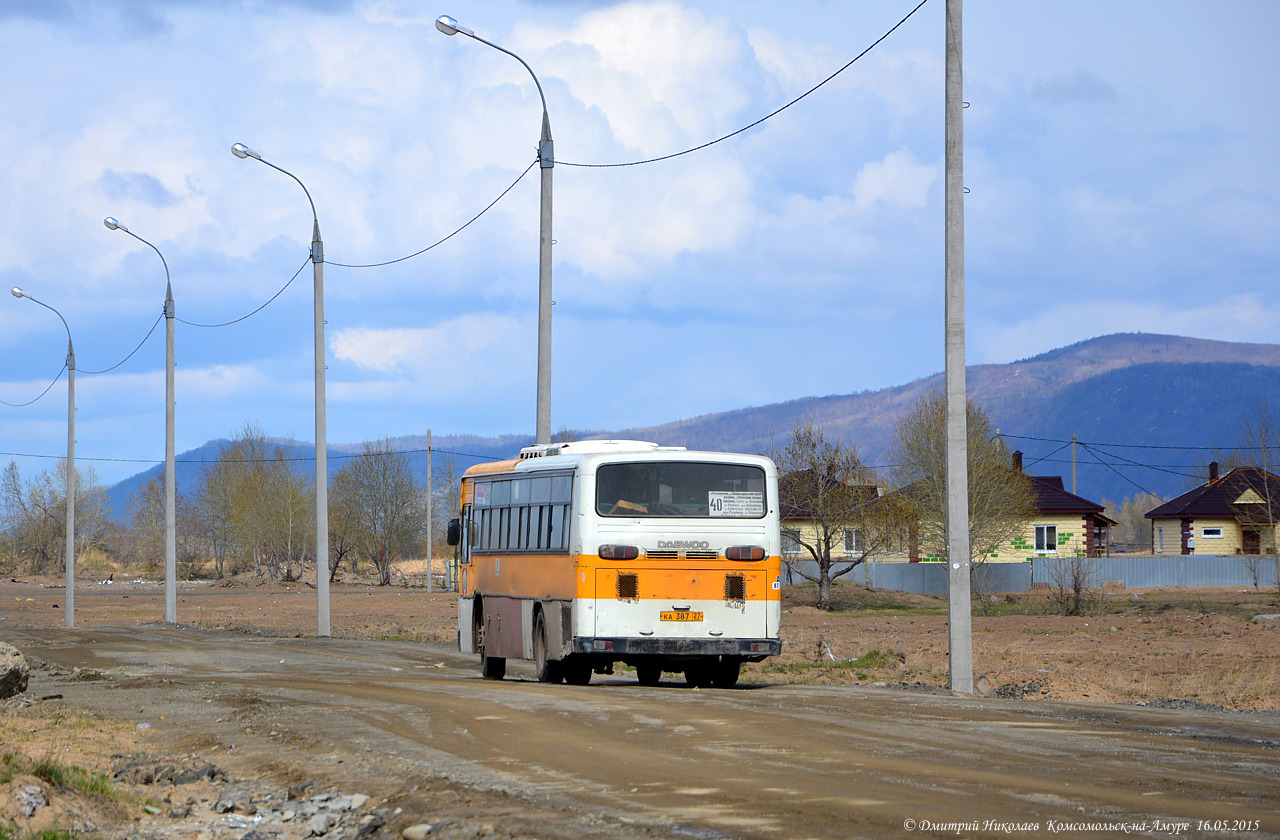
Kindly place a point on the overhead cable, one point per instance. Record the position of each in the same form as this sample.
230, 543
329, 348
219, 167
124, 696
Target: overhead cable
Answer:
135, 350
765, 118
487, 208
42, 393
260, 308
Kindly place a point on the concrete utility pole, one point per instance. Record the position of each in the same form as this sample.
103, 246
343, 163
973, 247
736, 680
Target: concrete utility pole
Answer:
1073, 465
170, 485
431, 584
547, 161
242, 151
959, 608
69, 537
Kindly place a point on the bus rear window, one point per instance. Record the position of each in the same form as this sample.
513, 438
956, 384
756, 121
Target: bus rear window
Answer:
674, 489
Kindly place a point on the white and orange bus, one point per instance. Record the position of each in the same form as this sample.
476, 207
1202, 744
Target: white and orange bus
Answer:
581, 555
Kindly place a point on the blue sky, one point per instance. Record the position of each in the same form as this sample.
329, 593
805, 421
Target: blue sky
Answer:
1121, 157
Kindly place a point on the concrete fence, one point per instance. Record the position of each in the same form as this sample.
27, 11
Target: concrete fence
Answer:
1132, 571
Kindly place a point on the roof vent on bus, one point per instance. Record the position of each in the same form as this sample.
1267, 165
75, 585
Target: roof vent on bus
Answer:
580, 447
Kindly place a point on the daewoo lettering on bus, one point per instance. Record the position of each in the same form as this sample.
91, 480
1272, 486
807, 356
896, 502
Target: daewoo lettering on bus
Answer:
584, 554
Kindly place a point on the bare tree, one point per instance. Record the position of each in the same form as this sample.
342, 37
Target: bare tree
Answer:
446, 502
215, 505
384, 504
1133, 529
1074, 580
35, 515
1001, 498
1260, 441
144, 541
257, 508
342, 532
146, 520
826, 484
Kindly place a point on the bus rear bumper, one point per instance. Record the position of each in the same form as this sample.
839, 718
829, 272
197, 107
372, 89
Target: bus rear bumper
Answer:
752, 648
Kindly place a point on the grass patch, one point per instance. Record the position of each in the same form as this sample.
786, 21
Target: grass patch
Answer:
10, 766
851, 597
863, 667
10, 832
71, 777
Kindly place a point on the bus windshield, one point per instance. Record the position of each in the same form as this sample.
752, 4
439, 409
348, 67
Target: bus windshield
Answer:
673, 489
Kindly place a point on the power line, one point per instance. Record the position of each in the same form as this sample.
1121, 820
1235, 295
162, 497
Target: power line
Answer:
130, 356
1136, 445
336, 457
487, 208
1117, 472
260, 308
766, 117
1054, 452
42, 393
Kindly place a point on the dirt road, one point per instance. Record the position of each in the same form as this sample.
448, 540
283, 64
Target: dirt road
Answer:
414, 725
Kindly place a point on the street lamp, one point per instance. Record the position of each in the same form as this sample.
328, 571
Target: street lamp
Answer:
546, 159
70, 538
242, 151
170, 491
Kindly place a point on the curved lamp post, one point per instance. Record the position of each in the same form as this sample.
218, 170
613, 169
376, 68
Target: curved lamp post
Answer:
170, 491
70, 539
546, 159
242, 151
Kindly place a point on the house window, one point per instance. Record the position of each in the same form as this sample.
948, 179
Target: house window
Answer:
1046, 539
1160, 539
790, 542
852, 541
1211, 533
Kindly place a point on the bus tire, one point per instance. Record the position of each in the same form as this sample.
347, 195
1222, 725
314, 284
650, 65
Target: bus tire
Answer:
649, 673
724, 674
577, 670
549, 670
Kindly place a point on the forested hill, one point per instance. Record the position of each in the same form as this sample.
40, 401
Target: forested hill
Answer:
1126, 391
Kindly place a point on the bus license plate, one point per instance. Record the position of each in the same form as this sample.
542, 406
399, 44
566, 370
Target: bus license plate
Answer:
680, 615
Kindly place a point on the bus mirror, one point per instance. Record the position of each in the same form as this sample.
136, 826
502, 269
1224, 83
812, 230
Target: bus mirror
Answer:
454, 535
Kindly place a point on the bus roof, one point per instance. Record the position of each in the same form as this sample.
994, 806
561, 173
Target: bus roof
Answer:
569, 455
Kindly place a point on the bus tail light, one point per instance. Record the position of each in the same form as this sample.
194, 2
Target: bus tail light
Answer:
744, 552
619, 552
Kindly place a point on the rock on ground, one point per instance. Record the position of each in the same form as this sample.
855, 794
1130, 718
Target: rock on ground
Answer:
13, 671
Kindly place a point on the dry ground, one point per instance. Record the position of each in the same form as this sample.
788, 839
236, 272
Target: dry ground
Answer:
1134, 646
1175, 648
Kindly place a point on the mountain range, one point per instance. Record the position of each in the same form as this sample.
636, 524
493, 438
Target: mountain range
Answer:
1149, 410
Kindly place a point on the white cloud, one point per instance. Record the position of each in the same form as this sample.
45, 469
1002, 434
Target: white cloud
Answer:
1247, 318
801, 257
462, 358
897, 181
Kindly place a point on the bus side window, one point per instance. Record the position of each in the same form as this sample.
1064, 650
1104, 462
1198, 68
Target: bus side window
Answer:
558, 531
537, 524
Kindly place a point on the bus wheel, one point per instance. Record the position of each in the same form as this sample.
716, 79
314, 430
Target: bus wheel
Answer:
649, 673
549, 670
491, 667
577, 671
724, 674
698, 674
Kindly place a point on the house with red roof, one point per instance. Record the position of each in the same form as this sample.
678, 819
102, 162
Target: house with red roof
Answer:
1234, 513
1064, 525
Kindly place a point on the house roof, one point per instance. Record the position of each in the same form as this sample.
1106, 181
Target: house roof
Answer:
1240, 494
793, 505
1052, 497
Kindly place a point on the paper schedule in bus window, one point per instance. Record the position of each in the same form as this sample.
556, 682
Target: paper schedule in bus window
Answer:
735, 503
